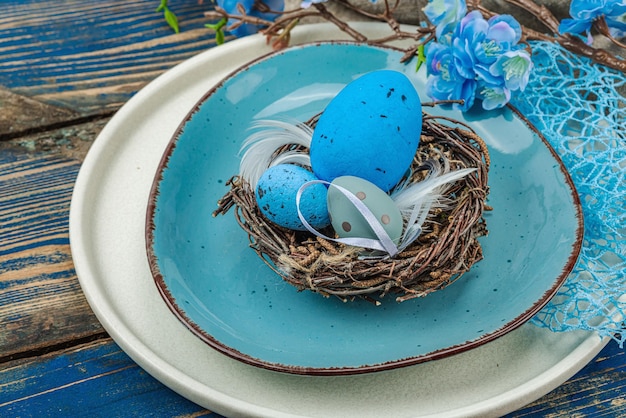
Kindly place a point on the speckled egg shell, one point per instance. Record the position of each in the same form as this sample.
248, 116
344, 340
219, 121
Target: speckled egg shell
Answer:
371, 130
276, 197
348, 221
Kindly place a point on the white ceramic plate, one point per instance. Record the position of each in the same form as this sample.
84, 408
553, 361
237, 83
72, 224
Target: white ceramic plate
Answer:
107, 239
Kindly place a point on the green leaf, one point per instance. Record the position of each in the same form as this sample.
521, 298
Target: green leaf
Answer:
219, 37
162, 6
421, 57
216, 26
171, 19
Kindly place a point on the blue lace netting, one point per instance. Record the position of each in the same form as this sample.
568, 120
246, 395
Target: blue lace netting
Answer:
580, 108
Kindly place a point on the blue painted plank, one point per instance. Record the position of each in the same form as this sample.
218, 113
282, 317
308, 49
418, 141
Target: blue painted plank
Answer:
41, 300
56, 26
34, 201
93, 55
599, 389
96, 379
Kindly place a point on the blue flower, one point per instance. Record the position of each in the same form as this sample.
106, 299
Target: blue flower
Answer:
445, 14
502, 35
505, 30
514, 67
494, 97
510, 72
230, 6
445, 82
585, 12
467, 38
479, 59
592, 9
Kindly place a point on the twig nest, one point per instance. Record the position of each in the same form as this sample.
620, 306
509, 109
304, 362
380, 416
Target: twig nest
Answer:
447, 238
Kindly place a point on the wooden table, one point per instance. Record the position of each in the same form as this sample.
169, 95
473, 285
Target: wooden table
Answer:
66, 67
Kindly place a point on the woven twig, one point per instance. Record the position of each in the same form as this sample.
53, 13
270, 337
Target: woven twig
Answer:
442, 254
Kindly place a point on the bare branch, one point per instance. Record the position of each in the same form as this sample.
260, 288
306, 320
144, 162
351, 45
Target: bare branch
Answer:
339, 23
282, 25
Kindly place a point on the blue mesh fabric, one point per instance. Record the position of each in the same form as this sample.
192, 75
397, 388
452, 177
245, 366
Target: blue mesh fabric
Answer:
580, 108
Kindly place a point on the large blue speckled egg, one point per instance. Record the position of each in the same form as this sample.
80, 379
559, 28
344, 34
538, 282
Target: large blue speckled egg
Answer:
276, 197
348, 221
371, 130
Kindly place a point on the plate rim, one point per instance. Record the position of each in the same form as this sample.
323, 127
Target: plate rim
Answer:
236, 354
94, 280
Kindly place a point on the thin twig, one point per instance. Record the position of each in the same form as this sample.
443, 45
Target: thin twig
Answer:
326, 14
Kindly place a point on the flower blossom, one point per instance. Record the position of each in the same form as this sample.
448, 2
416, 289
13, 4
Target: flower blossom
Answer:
494, 96
445, 14
585, 12
479, 60
230, 6
514, 68
445, 82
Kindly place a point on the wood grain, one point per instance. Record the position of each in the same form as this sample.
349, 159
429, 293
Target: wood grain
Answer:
92, 56
598, 390
41, 302
72, 141
94, 379
20, 114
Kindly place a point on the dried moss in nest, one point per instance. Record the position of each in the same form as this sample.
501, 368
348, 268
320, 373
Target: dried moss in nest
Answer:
446, 249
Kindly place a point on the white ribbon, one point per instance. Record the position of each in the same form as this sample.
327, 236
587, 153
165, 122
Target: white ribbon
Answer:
383, 243
421, 197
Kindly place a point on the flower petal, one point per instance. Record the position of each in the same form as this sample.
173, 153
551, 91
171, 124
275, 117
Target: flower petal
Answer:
504, 28
494, 97
574, 26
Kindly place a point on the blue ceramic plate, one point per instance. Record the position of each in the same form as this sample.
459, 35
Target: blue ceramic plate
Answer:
229, 298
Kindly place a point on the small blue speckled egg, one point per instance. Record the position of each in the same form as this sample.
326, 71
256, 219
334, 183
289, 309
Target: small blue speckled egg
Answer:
348, 221
276, 197
371, 130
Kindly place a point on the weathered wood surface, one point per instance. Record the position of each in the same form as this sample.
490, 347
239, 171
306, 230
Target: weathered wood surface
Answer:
41, 303
55, 358
93, 379
21, 114
598, 390
90, 57
65, 68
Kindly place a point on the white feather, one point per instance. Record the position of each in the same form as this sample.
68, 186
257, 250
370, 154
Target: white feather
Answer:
427, 190
292, 157
259, 148
416, 200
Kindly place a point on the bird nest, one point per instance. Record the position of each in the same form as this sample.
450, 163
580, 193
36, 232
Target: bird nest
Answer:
446, 249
